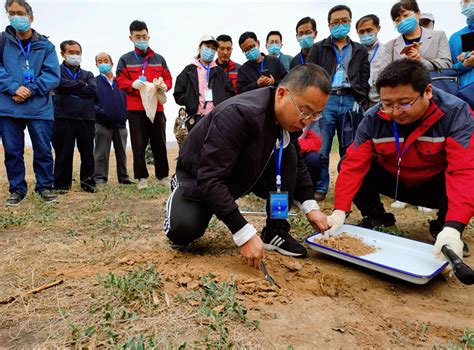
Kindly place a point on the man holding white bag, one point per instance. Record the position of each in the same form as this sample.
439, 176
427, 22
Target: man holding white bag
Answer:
145, 77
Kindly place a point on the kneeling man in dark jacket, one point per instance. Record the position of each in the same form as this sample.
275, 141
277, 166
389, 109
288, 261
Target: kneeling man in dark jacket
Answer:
249, 143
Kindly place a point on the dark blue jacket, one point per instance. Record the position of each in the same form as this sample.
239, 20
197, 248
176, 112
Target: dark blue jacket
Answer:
44, 63
111, 110
75, 96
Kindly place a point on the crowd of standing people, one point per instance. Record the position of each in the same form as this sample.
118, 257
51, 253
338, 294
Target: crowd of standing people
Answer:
377, 98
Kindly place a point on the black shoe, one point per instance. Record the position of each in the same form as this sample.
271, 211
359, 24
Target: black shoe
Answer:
126, 182
61, 190
14, 200
89, 186
280, 240
48, 196
377, 220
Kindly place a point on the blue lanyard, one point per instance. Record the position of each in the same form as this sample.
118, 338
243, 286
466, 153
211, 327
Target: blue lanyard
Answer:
25, 53
397, 142
301, 58
144, 63
340, 58
375, 52
278, 162
400, 155
208, 69
73, 76
262, 65
107, 81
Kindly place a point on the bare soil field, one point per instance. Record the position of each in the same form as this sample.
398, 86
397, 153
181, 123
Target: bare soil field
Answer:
120, 284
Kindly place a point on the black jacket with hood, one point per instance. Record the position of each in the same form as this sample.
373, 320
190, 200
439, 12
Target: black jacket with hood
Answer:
235, 143
322, 54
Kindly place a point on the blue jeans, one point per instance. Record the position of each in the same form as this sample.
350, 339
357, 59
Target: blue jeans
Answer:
333, 117
13, 138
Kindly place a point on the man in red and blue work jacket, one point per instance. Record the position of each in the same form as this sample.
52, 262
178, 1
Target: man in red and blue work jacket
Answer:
416, 146
134, 69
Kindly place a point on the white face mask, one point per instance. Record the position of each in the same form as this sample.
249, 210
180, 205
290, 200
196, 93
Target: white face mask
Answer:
74, 60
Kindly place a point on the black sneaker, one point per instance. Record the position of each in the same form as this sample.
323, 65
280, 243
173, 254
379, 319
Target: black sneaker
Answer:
89, 186
378, 220
126, 181
14, 200
280, 240
48, 196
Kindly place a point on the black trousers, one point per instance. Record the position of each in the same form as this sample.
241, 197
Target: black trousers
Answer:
187, 220
431, 194
142, 132
66, 132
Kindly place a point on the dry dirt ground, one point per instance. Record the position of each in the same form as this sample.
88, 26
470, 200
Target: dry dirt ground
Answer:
125, 287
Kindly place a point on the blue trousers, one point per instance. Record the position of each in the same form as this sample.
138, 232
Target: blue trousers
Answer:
13, 138
333, 117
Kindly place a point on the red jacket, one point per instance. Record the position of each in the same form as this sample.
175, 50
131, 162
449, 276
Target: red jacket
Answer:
443, 141
129, 69
231, 70
311, 140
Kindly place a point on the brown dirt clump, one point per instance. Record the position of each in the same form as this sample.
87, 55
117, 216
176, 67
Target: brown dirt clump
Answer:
347, 244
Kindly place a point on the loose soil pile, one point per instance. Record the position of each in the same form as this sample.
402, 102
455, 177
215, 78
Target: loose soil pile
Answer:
347, 244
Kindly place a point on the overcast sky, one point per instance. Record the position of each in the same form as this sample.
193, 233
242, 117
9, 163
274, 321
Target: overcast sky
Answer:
176, 26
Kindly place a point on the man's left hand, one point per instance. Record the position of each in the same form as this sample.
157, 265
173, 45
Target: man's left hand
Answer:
414, 54
451, 237
318, 220
18, 99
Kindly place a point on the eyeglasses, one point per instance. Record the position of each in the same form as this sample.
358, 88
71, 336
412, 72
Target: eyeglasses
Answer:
340, 21
304, 115
399, 107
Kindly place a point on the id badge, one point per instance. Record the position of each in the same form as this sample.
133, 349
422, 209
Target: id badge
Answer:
142, 78
208, 96
279, 205
28, 75
338, 77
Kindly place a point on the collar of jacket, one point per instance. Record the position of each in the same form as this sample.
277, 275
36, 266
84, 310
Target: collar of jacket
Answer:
148, 54
328, 42
425, 35
227, 67
10, 34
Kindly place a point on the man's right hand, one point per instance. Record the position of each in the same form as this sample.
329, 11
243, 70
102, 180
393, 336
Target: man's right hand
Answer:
264, 81
23, 92
252, 251
138, 84
18, 99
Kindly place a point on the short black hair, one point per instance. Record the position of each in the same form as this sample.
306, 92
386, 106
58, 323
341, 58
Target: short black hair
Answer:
410, 5
22, 3
305, 20
375, 20
137, 26
68, 42
339, 8
274, 32
247, 35
404, 72
224, 38
307, 75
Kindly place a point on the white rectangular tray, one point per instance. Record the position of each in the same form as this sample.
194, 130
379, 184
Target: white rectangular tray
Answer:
399, 257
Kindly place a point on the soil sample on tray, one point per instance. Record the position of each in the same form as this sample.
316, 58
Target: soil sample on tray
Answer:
347, 244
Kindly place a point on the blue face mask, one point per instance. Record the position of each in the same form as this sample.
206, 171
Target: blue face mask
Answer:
368, 39
408, 25
207, 54
105, 68
468, 11
340, 31
141, 44
306, 41
20, 23
252, 54
274, 49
